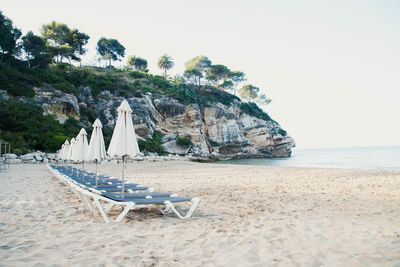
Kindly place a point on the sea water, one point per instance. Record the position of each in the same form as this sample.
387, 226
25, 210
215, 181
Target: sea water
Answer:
387, 158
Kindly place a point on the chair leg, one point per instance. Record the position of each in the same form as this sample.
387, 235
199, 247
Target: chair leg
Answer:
128, 207
90, 204
170, 207
103, 214
108, 207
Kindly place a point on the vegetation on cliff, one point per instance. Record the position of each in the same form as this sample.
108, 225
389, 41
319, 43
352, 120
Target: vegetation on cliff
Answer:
31, 61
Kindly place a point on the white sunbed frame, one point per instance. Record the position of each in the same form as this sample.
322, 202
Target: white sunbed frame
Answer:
92, 199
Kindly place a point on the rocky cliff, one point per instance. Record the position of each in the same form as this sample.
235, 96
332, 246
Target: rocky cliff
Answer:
216, 130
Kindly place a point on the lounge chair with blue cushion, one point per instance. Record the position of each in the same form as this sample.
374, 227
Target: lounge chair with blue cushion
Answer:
105, 200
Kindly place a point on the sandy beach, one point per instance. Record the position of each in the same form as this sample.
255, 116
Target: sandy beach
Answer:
247, 216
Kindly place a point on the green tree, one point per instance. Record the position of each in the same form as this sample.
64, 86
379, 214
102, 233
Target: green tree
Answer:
63, 42
57, 36
138, 63
263, 100
193, 75
165, 62
9, 36
227, 85
25, 126
35, 51
78, 41
200, 63
110, 49
216, 73
249, 92
236, 77
196, 68
177, 79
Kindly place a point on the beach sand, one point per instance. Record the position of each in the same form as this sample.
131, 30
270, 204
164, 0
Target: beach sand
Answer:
247, 216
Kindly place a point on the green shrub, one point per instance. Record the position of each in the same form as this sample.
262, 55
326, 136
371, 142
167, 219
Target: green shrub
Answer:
65, 87
152, 144
282, 132
20, 89
145, 88
185, 142
137, 75
182, 92
15, 82
158, 82
25, 127
71, 127
136, 84
89, 113
209, 95
252, 109
213, 143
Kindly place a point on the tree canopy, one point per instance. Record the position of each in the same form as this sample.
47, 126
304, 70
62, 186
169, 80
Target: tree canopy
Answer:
9, 36
200, 63
138, 63
35, 50
110, 49
165, 62
249, 92
63, 42
218, 72
196, 68
193, 75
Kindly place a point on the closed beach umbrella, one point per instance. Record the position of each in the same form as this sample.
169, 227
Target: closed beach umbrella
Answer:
60, 151
71, 151
81, 149
64, 151
81, 146
97, 150
123, 141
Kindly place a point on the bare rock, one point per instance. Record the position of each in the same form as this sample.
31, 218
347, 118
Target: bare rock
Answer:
14, 161
172, 147
10, 156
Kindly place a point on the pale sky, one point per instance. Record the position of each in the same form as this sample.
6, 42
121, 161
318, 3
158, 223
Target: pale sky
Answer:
331, 68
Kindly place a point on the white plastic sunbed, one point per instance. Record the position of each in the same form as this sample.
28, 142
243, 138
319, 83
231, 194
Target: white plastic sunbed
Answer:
95, 199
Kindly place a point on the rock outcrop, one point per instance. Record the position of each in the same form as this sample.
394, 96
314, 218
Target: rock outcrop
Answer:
56, 102
216, 131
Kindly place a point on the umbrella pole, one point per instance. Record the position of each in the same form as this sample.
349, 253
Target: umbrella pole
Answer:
123, 176
96, 172
83, 170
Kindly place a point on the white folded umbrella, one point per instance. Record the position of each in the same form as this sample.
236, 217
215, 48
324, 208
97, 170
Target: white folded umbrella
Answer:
70, 152
81, 146
123, 141
60, 151
96, 150
64, 150
81, 149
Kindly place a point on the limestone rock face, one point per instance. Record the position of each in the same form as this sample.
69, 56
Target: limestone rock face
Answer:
216, 131
27, 157
173, 148
56, 102
232, 132
85, 95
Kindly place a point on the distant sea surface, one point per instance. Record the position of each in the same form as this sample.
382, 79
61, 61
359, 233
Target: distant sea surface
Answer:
387, 158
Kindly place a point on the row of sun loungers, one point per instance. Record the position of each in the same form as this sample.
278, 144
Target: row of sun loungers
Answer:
106, 195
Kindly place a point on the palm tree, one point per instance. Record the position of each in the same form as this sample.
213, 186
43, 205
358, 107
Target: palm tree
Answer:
165, 62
